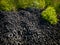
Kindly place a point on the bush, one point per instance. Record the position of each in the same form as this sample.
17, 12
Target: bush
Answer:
38, 4
57, 7
55, 3
50, 15
21, 3
49, 2
6, 5
41, 3
30, 3
9, 5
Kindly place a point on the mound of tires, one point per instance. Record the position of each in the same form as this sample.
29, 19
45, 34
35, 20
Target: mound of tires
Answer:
26, 27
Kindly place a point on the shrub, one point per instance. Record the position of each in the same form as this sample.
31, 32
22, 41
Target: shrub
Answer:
9, 5
38, 4
57, 7
50, 15
30, 3
6, 5
49, 2
55, 3
42, 3
21, 3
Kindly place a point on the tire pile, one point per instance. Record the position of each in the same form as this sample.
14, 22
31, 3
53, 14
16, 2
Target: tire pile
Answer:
26, 27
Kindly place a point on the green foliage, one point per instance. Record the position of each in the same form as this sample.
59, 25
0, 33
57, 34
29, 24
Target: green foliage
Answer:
48, 2
50, 15
54, 3
30, 3
6, 5
57, 6
21, 3
42, 3
9, 5
38, 4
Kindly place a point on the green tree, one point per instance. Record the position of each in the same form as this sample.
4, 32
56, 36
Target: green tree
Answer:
50, 15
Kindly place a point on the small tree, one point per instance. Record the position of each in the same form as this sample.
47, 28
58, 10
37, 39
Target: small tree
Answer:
50, 15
